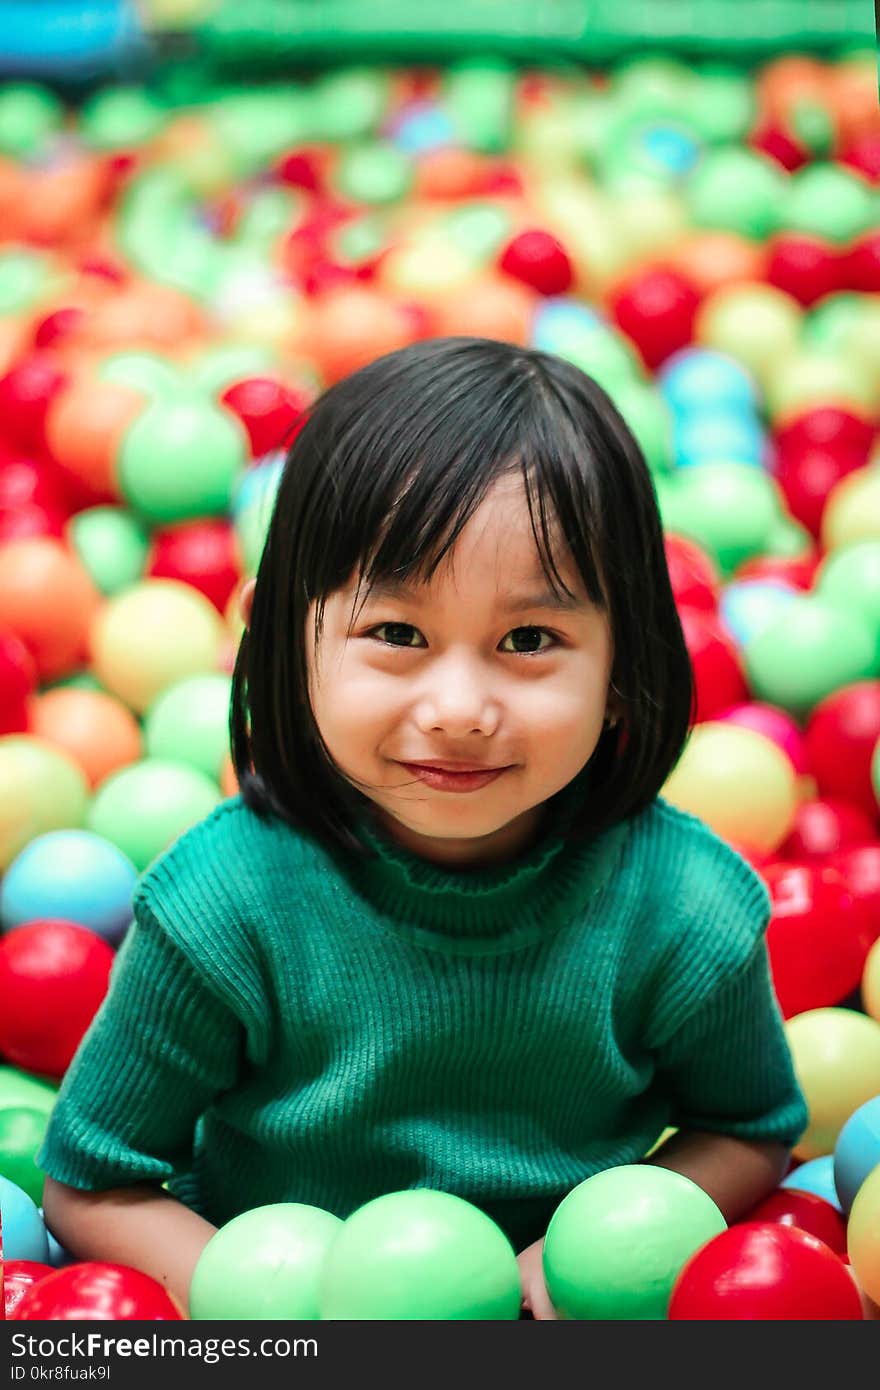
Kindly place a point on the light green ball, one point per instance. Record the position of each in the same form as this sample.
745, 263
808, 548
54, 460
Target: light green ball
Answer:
420, 1254
24, 276
617, 1243
850, 578
223, 365
189, 723
812, 376
349, 103
374, 173
145, 371
812, 649
728, 508
829, 201
143, 808
118, 117
19, 1089
29, 114
265, 1263
181, 458
21, 1133
737, 190
112, 546
650, 419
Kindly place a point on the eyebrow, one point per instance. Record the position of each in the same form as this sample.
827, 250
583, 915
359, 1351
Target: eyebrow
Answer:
545, 598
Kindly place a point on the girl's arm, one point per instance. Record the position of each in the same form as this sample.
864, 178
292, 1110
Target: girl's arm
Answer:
736, 1173
141, 1226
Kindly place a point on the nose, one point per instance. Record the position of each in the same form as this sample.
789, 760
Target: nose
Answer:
457, 698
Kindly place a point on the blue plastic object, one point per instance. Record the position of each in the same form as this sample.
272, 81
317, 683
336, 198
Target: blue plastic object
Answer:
69, 38
857, 1151
701, 378
72, 874
24, 1235
817, 1175
747, 606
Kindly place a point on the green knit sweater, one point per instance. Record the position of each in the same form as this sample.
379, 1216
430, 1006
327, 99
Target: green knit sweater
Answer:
290, 1023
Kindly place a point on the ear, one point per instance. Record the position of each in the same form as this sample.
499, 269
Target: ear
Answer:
246, 601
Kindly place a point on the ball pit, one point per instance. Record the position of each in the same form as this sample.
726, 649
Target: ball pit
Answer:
177, 284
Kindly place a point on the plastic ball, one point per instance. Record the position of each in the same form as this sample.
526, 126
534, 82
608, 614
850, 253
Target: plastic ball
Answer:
181, 458
152, 635
807, 652
718, 674
277, 1253
836, 1055
713, 259
86, 423
746, 606
830, 201
709, 434
350, 327
824, 825
18, 679
861, 262
41, 789
143, 808
189, 723
852, 510
71, 874
539, 260
269, 411
693, 574
94, 1291
737, 190
774, 724
819, 374
617, 1241
495, 306
95, 729
871, 983
698, 378
24, 1235
816, 1176
649, 418
757, 324
859, 866
202, 554
728, 508
814, 939
419, 1254
807, 1212
857, 1151
841, 735
844, 432
737, 781
26, 392
21, 1133
806, 267
808, 476
850, 577
18, 1277
765, 1271
863, 1235
111, 545
53, 977
48, 601
656, 309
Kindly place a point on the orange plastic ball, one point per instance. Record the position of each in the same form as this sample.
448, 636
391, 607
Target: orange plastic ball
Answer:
852, 96
713, 259
493, 307
449, 173
142, 313
48, 601
784, 84
350, 327
96, 729
63, 199
85, 425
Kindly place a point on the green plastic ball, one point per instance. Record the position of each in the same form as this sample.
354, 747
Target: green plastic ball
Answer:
479, 229
24, 276
120, 117
230, 362
257, 125
723, 106
850, 578
189, 723
181, 458
349, 103
478, 94
829, 201
145, 371
20, 1090
420, 1254
143, 808
812, 649
112, 546
374, 173
650, 419
265, 1263
617, 1243
728, 508
29, 114
736, 190
21, 1134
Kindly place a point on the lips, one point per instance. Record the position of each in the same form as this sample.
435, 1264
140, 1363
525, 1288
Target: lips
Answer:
458, 767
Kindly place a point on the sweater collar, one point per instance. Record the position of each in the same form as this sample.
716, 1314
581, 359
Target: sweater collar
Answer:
506, 904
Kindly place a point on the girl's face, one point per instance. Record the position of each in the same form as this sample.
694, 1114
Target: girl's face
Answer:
479, 668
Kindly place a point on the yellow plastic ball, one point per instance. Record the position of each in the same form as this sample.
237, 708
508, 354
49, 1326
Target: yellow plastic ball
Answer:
852, 511
836, 1055
426, 269
739, 782
863, 1235
42, 788
871, 982
810, 378
152, 635
755, 323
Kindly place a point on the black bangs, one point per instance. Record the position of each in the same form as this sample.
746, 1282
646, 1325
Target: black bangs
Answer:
390, 466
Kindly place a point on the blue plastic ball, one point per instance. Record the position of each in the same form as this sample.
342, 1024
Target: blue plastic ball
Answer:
559, 321
24, 1235
424, 127
258, 482
702, 379
857, 1151
705, 436
72, 874
747, 606
817, 1175
671, 148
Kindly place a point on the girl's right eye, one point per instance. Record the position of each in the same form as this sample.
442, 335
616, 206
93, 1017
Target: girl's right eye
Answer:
390, 627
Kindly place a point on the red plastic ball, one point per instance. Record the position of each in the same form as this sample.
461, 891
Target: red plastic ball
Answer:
841, 734
656, 309
30, 519
303, 168
267, 409
814, 940
694, 576
806, 1211
536, 258
827, 427
806, 267
863, 154
53, 977
55, 327
764, 1271
97, 1292
824, 825
203, 554
19, 1277
23, 480
18, 681
861, 264
859, 867
25, 393
781, 145
807, 477
718, 671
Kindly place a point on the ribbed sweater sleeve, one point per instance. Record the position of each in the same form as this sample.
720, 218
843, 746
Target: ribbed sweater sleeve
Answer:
161, 1046
728, 1067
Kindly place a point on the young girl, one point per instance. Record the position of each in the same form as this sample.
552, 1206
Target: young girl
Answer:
448, 935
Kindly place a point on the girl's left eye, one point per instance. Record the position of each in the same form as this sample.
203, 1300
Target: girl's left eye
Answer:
407, 627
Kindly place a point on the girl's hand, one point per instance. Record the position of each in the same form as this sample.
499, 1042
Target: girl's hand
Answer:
534, 1291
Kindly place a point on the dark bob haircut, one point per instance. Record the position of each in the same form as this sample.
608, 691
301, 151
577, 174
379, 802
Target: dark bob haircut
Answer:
388, 468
